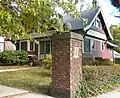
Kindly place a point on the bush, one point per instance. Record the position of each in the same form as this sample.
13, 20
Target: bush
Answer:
98, 61
13, 57
98, 79
48, 62
117, 60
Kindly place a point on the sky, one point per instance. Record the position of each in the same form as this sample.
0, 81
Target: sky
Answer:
109, 11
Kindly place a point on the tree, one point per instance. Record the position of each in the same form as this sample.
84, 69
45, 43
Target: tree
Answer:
116, 35
23, 17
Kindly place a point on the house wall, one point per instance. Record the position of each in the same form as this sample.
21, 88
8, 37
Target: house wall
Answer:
1, 44
98, 52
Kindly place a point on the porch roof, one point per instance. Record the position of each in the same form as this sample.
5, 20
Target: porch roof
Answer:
111, 44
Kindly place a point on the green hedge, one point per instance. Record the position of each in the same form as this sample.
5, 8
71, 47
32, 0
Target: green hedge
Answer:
13, 57
98, 61
98, 79
117, 60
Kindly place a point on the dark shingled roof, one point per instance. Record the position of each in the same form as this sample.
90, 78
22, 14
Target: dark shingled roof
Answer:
77, 24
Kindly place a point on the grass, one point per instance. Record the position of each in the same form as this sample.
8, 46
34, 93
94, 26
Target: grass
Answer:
33, 80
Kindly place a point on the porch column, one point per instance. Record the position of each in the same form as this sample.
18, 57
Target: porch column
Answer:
67, 63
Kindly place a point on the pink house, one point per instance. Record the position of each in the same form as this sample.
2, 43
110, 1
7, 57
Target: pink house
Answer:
97, 37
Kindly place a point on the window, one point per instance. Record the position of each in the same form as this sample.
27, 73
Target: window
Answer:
48, 47
97, 23
93, 44
24, 46
45, 47
31, 45
86, 45
102, 46
42, 47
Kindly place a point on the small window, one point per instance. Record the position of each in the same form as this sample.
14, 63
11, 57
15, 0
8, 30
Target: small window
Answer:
86, 45
93, 44
102, 46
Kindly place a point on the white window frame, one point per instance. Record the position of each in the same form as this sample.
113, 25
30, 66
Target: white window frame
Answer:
33, 46
102, 43
94, 42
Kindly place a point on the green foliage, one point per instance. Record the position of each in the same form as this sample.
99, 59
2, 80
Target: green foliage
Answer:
48, 62
115, 30
13, 57
117, 60
23, 17
98, 79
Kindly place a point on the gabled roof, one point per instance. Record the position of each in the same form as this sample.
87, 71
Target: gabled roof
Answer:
90, 15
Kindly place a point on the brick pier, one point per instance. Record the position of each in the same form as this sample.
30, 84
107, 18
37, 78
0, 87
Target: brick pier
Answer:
67, 62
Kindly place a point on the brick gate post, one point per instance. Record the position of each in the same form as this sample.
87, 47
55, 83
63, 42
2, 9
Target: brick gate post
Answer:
67, 63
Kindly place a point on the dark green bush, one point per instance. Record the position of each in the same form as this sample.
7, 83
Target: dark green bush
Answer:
13, 57
117, 60
98, 79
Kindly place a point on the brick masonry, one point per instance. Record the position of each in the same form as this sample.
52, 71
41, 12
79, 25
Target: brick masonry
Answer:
67, 62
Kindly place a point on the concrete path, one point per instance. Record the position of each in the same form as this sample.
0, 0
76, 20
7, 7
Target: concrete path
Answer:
113, 94
33, 95
5, 70
6, 92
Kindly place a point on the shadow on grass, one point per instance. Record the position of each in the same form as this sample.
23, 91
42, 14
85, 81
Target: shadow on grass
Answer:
39, 89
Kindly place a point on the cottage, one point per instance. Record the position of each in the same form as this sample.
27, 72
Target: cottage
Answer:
92, 25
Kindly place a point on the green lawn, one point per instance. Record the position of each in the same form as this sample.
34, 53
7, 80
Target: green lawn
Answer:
34, 80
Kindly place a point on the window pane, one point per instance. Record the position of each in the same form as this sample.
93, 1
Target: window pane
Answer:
31, 45
24, 46
42, 47
102, 45
93, 44
17, 46
48, 47
86, 45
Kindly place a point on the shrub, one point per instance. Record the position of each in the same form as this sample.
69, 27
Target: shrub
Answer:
13, 57
98, 61
117, 60
48, 62
98, 79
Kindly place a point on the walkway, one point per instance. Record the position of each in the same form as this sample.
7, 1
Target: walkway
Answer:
113, 94
5, 70
9, 92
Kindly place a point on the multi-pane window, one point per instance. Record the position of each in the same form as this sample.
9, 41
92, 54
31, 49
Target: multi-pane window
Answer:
24, 46
45, 47
93, 44
86, 45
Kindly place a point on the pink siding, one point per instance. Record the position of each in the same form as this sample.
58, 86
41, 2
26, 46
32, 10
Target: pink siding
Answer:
106, 53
